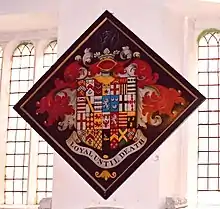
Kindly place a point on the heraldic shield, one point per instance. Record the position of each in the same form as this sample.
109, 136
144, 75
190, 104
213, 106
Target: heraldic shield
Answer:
108, 103
106, 111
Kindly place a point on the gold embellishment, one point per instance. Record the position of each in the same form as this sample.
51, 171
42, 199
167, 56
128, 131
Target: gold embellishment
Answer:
90, 105
104, 80
105, 175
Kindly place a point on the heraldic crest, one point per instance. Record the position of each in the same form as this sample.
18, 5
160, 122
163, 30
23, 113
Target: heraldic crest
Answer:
108, 103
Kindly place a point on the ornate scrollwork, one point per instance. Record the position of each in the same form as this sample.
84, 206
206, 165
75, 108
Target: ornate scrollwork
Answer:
105, 175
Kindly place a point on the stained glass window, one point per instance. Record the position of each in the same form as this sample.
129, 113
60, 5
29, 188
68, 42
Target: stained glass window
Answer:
45, 152
209, 114
18, 132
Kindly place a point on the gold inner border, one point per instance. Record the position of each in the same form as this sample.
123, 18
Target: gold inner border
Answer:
64, 62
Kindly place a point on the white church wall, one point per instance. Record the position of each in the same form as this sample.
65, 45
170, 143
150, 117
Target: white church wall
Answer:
157, 177
171, 150
25, 6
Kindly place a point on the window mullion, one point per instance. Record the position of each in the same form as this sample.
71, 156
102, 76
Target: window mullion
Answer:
32, 184
4, 102
45, 152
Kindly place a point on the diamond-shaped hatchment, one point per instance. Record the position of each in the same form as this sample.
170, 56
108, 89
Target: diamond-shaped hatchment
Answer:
108, 103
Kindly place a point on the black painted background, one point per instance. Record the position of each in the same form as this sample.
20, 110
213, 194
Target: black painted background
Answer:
107, 36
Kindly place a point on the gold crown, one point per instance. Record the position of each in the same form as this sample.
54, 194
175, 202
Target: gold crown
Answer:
106, 54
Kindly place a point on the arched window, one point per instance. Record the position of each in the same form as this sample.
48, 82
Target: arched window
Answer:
50, 54
209, 116
45, 152
18, 132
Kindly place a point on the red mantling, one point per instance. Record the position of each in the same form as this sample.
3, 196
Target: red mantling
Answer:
162, 100
144, 73
57, 103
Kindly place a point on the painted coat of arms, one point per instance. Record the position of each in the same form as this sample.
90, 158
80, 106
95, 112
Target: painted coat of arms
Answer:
108, 103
